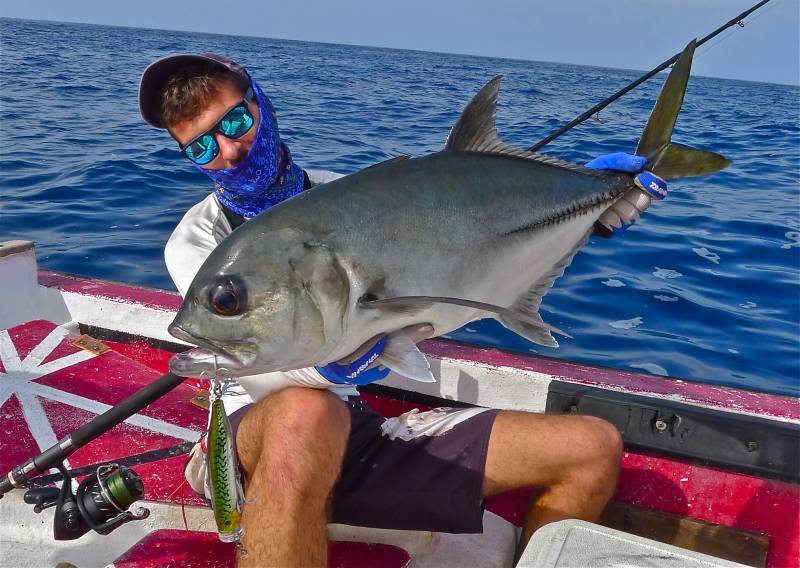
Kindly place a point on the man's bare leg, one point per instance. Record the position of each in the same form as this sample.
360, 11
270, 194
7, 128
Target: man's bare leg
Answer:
573, 461
291, 446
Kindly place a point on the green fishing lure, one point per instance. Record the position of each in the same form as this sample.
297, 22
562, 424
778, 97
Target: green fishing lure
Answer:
223, 471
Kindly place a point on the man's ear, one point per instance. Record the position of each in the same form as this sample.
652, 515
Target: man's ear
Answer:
168, 128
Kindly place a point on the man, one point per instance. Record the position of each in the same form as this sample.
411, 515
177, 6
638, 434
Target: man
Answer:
316, 455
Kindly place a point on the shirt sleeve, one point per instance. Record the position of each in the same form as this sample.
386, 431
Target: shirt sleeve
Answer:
199, 232
318, 177
259, 386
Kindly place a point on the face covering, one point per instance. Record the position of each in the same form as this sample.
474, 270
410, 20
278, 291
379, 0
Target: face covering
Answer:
266, 176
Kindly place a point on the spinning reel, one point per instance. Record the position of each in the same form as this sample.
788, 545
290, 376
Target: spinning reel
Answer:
100, 503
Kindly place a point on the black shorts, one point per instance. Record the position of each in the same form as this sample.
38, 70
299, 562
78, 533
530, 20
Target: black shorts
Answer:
420, 471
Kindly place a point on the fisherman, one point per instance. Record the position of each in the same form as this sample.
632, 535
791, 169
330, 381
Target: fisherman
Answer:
311, 451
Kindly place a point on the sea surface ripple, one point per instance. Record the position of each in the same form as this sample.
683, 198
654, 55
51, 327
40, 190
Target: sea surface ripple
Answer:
706, 287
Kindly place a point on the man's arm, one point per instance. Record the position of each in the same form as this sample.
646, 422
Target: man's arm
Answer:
318, 177
198, 233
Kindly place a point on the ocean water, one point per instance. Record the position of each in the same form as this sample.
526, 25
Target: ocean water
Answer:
706, 287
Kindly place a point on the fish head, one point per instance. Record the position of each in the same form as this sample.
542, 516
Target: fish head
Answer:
261, 302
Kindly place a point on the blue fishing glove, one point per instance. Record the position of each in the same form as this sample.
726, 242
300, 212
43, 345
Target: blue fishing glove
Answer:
626, 211
619, 161
356, 372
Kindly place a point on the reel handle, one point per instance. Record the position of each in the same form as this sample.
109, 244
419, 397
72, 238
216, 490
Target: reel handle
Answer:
41, 498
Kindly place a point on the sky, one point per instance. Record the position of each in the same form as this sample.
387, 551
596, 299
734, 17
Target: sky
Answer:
628, 34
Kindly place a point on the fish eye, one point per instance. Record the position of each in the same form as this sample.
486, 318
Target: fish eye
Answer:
227, 298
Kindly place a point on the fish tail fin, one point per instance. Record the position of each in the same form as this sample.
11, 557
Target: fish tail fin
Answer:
665, 159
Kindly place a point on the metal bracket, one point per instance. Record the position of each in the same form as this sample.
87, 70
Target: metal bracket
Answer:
90, 344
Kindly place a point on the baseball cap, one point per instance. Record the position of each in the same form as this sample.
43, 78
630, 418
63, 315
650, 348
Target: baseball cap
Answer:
155, 77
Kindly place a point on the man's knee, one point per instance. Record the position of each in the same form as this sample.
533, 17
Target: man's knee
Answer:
295, 428
603, 447
305, 411
609, 441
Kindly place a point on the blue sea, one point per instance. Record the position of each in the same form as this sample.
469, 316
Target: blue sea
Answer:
706, 287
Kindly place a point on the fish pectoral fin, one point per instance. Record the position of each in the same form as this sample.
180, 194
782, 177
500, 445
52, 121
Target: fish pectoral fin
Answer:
402, 356
507, 316
412, 305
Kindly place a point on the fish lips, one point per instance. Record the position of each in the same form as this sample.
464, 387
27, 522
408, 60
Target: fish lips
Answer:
208, 359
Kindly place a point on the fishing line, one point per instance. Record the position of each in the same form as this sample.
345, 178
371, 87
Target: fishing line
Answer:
731, 31
707, 48
738, 20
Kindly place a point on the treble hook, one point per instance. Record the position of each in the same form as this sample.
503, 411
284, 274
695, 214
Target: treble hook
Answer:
216, 377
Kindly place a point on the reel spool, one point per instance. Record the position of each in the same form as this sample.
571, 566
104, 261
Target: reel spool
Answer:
103, 499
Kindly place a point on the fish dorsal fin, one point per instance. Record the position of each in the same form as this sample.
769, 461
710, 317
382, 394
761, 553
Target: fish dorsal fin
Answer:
476, 131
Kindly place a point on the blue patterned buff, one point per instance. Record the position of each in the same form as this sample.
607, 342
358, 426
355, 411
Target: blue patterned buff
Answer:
267, 175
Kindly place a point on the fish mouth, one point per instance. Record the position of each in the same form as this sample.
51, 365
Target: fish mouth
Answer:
209, 359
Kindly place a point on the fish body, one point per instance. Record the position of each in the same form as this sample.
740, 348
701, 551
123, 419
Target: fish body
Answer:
223, 475
481, 229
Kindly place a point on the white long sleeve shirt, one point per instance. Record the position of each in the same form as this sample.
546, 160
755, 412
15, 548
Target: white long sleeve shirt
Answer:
202, 228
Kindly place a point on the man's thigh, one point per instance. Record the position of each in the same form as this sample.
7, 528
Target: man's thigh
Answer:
529, 450
419, 471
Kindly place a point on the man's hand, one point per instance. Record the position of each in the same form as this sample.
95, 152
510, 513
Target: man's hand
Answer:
624, 213
362, 366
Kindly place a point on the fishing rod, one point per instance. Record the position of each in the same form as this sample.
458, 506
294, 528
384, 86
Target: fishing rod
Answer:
101, 501
603, 104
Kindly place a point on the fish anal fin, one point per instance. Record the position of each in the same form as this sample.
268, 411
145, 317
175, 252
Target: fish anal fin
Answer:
532, 327
537, 334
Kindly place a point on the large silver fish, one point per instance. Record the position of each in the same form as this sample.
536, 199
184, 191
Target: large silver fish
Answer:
481, 229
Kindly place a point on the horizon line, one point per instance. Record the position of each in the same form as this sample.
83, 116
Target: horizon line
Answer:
796, 85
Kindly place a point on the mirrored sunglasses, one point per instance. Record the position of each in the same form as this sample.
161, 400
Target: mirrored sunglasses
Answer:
235, 123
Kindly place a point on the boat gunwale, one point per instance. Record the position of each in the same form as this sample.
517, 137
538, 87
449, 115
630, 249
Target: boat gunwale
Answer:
688, 391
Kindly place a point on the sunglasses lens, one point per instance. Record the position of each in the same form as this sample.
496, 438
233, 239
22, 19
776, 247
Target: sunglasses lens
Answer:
202, 150
236, 122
